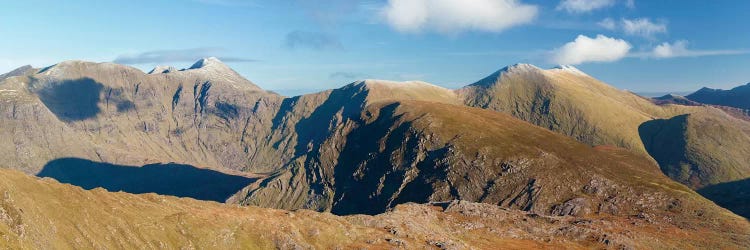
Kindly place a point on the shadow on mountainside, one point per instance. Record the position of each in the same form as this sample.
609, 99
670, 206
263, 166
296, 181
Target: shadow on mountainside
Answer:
165, 179
734, 196
342, 104
73, 100
664, 140
393, 172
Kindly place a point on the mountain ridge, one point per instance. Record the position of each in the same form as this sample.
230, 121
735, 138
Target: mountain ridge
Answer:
201, 118
736, 97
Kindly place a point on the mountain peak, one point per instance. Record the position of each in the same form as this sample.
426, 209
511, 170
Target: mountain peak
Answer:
162, 69
207, 62
569, 69
706, 89
17, 72
518, 68
211, 68
384, 90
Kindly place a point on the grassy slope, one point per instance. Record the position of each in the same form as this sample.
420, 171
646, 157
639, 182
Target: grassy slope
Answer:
701, 148
598, 114
70, 217
492, 156
573, 104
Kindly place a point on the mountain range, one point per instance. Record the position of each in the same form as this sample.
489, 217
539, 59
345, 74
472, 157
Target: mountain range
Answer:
556, 148
735, 97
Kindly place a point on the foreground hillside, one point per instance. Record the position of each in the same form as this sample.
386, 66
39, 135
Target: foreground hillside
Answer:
72, 218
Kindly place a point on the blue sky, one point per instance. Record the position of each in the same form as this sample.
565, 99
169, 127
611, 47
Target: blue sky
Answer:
292, 45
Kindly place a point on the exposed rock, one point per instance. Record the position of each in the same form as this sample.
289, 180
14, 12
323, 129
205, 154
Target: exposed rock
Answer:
576, 207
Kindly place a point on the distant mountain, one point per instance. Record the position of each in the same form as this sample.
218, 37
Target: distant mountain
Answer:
738, 97
675, 99
654, 94
117, 114
24, 70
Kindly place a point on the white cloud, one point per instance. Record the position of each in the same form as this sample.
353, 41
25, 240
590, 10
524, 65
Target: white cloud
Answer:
666, 50
630, 4
643, 27
680, 49
585, 49
583, 6
607, 23
450, 16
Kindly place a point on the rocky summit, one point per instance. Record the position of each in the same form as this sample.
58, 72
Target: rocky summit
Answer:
204, 158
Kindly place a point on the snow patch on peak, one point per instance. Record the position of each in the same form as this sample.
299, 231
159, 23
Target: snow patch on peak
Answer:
569, 69
375, 83
206, 62
162, 69
518, 68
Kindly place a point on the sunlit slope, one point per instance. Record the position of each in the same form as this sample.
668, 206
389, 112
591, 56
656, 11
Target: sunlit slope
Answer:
567, 101
414, 151
570, 102
72, 218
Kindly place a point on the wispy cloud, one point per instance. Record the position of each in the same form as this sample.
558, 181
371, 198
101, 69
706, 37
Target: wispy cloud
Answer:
451, 16
607, 23
586, 6
229, 3
583, 6
643, 27
630, 4
496, 53
312, 40
347, 75
329, 13
180, 55
680, 49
